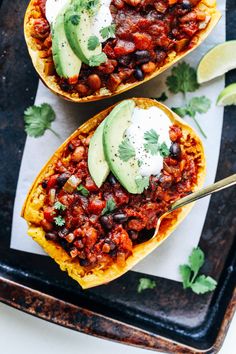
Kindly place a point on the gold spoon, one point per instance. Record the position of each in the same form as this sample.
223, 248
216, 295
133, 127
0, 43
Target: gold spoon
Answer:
213, 188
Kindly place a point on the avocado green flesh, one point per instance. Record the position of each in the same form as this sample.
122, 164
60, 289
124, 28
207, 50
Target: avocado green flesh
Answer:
78, 33
67, 64
114, 130
98, 167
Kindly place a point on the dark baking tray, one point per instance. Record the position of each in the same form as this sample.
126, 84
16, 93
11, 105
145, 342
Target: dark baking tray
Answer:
166, 318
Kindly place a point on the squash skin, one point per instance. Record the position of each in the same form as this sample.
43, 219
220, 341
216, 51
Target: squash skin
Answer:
207, 6
32, 209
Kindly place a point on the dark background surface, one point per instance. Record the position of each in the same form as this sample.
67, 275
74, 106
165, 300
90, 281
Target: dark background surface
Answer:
167, 310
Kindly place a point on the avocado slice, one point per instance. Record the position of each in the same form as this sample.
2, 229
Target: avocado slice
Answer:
113, 135
77, 24
97, 164
67, 64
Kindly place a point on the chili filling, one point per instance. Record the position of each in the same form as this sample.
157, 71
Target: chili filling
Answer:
77, 214
146, 32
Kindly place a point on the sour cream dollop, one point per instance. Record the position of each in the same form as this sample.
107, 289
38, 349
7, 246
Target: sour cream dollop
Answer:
143, 120
102, 17
53, 7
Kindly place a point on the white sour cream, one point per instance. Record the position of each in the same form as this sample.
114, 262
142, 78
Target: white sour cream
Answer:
53, 7
102, 18
144, 120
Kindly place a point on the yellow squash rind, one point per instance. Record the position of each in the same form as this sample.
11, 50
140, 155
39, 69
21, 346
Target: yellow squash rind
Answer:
32, 209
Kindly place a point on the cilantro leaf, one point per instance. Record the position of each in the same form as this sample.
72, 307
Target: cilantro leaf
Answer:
98, 59
59, 206
74, 19
93, 42
90, 4
110, 206
203, 284
185, 272
83, 190
59, 220
196, 260
196, 105
108, 32
181, 111
126, 150
199, 284
163, 149
153, 149
183, 79
145, 283
142, 183
38, 119
151, 136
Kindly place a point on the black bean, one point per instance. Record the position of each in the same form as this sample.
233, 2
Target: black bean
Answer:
186, 5
61, 180
112, 180
138, 74
120, 218
160, 55
50, 236
62, 233
44, 184
83, 262
142, 57
107, 222
124, 60
65, 86
175, 150
133, 235
71, 147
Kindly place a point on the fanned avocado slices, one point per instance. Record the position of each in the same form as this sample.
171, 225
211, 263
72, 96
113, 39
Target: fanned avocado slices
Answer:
67, 64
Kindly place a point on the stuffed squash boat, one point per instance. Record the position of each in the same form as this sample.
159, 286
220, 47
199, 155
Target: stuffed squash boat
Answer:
86, 50
95, 204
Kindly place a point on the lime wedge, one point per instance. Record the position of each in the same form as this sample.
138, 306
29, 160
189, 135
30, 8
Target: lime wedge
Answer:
217, 61
227, 96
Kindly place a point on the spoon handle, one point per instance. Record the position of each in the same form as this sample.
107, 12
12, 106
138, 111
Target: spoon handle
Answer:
215, 187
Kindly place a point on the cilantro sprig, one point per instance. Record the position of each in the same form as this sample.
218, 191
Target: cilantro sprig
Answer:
199, 284
59, 220
126, 150
93, 42
83, 190
152, 144
38, 119
110, 206
183, 79
195, 105
142, 182
59, 206
96, 60
145, 283
108, 32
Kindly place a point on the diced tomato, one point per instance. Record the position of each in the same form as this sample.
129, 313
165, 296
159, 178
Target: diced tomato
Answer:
49, 214
96, 206
109, 51
90, 185
121, 197
52, 181
124, 47
142, 41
